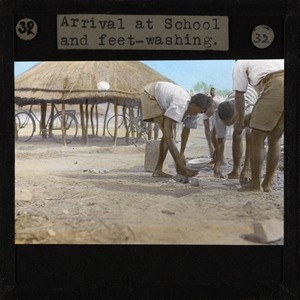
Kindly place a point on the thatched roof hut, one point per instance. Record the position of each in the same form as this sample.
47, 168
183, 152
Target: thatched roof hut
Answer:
76, 82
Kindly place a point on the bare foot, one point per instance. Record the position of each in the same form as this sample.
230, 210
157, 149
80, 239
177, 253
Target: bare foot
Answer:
158, 173
267, 189
250, 187
244, 180
188, 172
245, 176
233, 175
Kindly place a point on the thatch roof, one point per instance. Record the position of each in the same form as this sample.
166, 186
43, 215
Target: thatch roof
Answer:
76, 82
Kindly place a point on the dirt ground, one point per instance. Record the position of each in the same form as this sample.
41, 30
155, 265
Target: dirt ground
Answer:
99, 193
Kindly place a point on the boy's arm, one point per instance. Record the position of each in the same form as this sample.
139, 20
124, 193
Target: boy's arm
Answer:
184, 138
245, 175
166, 126
208, 136
219, 152
181, 167
239, 111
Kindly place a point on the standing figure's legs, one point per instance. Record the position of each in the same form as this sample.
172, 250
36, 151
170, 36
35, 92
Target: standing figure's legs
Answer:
245, 175
163, 151
256, 149
237, 152
272, 157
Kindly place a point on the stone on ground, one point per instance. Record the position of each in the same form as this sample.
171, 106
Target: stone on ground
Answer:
269, 230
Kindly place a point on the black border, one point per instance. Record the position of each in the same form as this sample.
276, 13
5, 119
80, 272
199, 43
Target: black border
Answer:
156, 271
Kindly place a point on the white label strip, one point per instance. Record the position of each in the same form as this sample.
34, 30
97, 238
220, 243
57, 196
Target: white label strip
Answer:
141, 32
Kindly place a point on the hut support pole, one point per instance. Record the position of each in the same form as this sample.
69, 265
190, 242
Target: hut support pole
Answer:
97, 120
105, 118
133, 134
82, 121
125, 123
51, 120
92, 121
63, 123
87, 120
116, 121
43, 128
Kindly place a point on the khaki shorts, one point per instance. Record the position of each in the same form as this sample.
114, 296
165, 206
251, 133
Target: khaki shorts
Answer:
268, 111
150, 107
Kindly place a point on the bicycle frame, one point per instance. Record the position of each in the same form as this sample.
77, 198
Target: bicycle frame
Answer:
52, 114
47, 126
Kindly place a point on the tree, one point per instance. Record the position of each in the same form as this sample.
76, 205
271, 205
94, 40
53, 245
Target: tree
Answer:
203, 87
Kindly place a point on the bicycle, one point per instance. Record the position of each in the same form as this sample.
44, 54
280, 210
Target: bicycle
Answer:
131, 128
25, 125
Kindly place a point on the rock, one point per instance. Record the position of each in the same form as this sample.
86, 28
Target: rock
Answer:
182, 179
195, 181
51, 232
268, 231
95, 171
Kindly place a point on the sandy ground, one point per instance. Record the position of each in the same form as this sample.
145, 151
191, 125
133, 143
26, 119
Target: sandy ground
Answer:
100, 194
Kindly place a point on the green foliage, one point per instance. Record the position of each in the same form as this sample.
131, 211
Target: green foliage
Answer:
223, 93
203, 87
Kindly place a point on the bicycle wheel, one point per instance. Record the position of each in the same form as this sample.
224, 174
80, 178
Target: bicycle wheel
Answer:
110, 126
71, 125
24, 126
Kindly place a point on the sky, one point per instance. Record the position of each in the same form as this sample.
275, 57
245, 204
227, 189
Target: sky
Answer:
185, 73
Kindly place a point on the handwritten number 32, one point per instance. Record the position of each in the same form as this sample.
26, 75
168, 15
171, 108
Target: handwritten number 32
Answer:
261, 38
26, 27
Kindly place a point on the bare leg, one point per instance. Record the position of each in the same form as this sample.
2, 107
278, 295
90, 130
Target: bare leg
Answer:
256, 148
237, 152
207, 132
245, 175
179, 157
272, 158
163, 151
215, 147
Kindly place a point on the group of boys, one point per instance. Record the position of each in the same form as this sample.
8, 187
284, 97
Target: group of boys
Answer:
168, 104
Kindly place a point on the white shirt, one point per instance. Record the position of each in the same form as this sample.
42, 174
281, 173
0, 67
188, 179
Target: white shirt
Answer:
253, 71
191, 121
250, 96
216, 101
172, 99
220, 126
250, 99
